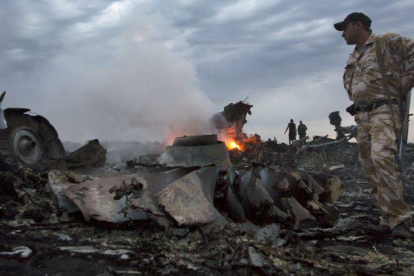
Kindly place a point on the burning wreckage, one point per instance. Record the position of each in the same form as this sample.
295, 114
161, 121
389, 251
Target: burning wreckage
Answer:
199, 207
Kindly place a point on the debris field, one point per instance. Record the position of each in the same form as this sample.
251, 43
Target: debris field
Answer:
270, 209
225, 203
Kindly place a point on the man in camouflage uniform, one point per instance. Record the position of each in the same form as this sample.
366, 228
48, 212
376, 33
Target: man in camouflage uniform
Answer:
378, 116
302, 130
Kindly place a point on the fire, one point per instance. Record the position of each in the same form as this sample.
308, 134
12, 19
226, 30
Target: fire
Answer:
233, 145
228, 137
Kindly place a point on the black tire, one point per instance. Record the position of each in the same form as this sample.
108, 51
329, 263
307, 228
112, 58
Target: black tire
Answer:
29, 141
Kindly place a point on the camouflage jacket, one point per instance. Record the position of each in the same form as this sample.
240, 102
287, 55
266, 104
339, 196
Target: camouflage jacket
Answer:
362, 77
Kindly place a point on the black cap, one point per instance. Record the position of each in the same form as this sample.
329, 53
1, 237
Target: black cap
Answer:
353, 17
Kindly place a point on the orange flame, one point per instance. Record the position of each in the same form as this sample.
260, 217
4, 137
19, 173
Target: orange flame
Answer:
232, 144
228, 137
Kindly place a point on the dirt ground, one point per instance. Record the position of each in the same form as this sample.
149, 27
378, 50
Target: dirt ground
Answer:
76, 247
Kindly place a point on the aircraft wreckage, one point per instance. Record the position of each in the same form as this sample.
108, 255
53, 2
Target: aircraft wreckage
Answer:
29, 140
195, 207
197, 175
196, 170
26, 139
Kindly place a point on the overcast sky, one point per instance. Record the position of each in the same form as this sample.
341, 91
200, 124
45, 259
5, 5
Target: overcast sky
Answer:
148, 69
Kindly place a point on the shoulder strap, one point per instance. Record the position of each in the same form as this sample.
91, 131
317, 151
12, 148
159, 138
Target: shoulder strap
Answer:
381, 64
378, 43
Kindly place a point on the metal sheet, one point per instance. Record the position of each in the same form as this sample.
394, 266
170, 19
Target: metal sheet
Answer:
200, 140
270, 180
95, 201
58, 183
234, 206
193, 156
189, 199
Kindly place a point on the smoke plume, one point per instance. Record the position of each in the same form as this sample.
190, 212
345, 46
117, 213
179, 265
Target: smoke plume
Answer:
124, 74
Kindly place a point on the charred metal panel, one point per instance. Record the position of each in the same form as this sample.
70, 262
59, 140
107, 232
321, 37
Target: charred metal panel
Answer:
94, 200
196, 155
188, 200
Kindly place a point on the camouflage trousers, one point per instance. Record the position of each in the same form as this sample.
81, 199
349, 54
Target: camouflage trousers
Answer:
377, 151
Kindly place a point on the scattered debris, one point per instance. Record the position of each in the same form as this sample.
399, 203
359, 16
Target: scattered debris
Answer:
257, 259
119, 152
21, 251
268, 234
338, 167
273, 209
344, 134
90, 249
92, 155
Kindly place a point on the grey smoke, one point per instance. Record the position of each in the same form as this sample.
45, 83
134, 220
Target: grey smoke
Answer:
107, 74
143, 93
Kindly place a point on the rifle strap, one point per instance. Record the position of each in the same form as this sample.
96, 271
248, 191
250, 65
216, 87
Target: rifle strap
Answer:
381, 64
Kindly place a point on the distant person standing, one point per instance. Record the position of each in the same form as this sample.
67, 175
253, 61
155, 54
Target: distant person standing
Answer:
302, 130
292, 131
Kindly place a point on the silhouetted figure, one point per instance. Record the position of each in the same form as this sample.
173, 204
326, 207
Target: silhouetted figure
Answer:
292, 131
302, 130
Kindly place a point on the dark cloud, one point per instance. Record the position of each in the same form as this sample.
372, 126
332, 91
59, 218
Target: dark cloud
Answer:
284, 41
284, 55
